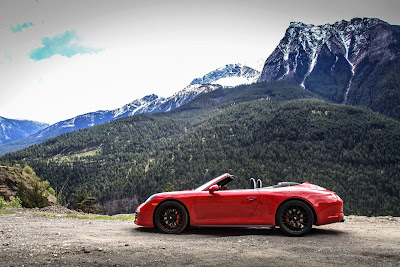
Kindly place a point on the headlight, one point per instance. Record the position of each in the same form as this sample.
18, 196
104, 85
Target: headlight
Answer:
150, 198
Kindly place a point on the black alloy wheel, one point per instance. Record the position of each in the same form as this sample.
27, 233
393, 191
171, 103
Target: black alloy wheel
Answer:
295, 218
171, 217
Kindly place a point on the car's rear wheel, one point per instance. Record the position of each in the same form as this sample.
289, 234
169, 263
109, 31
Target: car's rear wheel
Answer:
171, 217
295, 218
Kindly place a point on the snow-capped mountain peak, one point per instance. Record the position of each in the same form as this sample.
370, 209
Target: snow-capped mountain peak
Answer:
307, 51
11, 130
229, 75
143, 105
148, 104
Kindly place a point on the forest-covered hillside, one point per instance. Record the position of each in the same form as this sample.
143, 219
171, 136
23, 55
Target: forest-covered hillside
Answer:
272, 131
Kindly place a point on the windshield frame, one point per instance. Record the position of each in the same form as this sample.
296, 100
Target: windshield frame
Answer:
207, 185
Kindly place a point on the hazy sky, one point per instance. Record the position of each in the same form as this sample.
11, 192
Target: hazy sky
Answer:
63, 58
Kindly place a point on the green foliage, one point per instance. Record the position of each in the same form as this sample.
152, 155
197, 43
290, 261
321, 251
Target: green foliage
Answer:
51, 191
84, 201
61, 198
32, 191
7, 212
170, 187
34, 196
101, 217
14, 202
249, 131
377, 87
28, 169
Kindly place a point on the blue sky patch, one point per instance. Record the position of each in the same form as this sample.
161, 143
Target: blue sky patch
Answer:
20, 27
65, 44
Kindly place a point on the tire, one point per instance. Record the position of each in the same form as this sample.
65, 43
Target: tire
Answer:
171, 217
295, 218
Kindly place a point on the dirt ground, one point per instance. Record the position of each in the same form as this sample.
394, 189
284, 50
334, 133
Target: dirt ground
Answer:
27, 239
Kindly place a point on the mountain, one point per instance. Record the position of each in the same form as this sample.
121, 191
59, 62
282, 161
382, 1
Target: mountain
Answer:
11, 130
275, 131
352, 62
148, 104
230, 75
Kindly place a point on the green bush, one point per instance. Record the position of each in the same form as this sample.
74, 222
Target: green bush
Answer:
51, 191
84, 201
36, 196
28, 169
15, 202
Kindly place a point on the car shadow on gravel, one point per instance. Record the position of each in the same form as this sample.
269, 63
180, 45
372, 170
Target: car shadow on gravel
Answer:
238, 231
327, 232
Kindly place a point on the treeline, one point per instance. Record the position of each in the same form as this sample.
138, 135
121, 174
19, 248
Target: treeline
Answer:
248, 131
377, 88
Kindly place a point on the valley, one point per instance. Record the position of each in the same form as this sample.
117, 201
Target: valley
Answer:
324, 110
272, 131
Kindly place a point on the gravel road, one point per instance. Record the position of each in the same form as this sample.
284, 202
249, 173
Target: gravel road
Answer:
30, 240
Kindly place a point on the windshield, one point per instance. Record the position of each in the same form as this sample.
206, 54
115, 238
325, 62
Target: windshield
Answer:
213, 181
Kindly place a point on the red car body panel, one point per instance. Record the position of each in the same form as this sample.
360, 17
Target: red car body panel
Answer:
246, 206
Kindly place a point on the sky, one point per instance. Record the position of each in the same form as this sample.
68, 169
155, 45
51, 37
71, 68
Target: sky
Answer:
63, 58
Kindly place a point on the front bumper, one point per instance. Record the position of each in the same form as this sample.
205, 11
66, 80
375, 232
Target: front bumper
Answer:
144, 218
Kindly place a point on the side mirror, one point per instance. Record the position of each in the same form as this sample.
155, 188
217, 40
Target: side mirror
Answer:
212, 189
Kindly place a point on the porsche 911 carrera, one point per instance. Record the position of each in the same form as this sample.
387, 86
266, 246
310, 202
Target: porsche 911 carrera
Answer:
293, 207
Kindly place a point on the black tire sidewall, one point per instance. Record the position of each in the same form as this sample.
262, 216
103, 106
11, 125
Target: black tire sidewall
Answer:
282, 226
181, 208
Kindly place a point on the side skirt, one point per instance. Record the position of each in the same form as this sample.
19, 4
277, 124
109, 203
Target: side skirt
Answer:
233, 226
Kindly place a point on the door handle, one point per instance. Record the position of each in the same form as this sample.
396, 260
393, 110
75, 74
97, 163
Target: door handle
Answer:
251, 198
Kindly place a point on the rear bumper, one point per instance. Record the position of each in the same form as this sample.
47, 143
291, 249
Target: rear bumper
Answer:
338, 217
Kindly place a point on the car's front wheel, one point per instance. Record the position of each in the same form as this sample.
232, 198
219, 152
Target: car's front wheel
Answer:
171, 217
295, 218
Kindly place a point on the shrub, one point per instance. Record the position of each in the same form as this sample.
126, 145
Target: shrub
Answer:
84, 201
28, 169
36, 196
15, 202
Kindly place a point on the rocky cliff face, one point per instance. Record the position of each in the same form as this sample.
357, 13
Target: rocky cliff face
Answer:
334, 60
15, 182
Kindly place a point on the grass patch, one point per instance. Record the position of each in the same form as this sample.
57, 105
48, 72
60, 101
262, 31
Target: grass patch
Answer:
99, 217
85, 217
44, 214
76, 216
77, 156
6, 212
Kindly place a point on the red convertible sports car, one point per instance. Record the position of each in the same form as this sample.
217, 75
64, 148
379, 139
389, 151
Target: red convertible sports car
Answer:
294, 207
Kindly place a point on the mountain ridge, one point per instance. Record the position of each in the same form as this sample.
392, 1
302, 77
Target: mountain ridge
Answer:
229, 72
336, 60
12, 130
266, 130
148, 104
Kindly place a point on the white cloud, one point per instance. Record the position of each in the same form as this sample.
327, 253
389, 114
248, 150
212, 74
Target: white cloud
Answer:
65, 44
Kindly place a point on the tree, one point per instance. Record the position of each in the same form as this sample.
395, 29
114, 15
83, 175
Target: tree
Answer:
84, 201
170, 187
34, 196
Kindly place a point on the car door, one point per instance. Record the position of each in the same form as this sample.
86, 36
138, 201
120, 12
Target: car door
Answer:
226, 206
